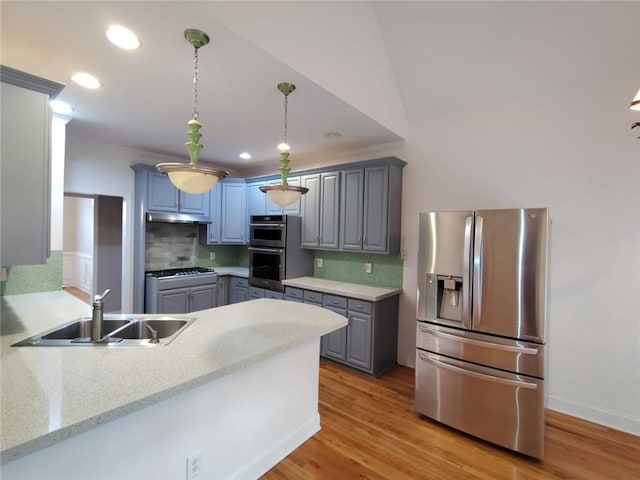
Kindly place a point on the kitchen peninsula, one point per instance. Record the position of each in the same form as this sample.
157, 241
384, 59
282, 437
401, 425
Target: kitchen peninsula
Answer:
239, 387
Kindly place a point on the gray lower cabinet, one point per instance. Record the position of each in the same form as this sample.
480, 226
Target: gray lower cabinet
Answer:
238, 290
185, 300
223, 290
293, 294
257, 292
369, 341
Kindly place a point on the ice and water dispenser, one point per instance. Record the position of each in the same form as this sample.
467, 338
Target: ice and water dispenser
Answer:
444, 297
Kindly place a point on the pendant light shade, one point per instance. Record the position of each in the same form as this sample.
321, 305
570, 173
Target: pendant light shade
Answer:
284, 194
635, 103
193, 177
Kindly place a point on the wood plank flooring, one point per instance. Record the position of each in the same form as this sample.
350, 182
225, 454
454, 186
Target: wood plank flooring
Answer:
76, 292
371, 431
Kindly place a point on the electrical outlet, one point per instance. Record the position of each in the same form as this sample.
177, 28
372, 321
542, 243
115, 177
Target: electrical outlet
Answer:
3, 274
368, 267
319, 262
403, 255
194, 465
212, 255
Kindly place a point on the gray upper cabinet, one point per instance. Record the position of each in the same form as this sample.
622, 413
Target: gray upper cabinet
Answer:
234, 213
228, 213
352, 209
370, 210
164, 197
25, 199
319, 210
256, 200
259, 204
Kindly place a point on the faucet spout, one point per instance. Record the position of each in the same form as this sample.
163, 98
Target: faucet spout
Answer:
98, 315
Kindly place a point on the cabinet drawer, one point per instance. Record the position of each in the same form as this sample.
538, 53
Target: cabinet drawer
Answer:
272, 294
239, 282
334, 301
293, 293
312, 297
256, 292
360, 306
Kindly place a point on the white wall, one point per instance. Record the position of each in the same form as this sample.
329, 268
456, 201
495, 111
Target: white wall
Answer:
58, 136
515, 104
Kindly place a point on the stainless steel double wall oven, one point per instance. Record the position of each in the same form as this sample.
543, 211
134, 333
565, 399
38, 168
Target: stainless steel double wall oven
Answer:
275, 251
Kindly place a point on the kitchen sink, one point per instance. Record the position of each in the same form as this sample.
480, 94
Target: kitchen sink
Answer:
117, 330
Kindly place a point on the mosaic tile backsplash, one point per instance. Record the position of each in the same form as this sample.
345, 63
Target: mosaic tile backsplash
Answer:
170, 245
34, 278
226, 256
349, 267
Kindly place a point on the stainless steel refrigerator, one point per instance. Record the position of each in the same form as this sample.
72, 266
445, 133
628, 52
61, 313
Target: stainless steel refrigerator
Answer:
482, 306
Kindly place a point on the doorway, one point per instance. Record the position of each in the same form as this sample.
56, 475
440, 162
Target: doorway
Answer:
92, 247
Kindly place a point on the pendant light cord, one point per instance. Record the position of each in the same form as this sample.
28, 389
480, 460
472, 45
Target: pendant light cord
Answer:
195, 84
286, 98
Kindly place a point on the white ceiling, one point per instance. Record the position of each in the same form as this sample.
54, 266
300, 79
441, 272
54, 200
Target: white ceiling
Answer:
146, 98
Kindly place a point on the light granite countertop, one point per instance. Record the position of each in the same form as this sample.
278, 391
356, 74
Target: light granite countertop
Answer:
52, 393
353, 290
235, 271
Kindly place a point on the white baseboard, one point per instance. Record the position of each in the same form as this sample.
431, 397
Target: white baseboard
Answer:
593, 413
266, 460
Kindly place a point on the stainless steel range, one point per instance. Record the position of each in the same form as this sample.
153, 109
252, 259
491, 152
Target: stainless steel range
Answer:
180, 290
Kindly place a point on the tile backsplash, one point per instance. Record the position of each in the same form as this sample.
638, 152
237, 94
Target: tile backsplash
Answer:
386, 270
170, 245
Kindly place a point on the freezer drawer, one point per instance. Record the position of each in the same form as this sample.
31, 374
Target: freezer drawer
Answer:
500, 407
516, 356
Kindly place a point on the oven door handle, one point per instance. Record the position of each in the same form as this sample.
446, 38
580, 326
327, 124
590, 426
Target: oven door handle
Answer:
267, 225
266, 250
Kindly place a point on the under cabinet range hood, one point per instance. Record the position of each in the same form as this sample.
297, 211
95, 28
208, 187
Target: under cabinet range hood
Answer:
168, 217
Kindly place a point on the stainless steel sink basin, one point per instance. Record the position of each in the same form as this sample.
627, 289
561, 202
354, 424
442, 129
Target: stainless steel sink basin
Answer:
117, 330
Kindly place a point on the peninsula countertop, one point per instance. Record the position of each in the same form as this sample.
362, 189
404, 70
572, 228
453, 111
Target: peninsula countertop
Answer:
52, 393
354, 290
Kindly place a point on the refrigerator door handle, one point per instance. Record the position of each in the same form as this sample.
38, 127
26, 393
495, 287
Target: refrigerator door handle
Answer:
477, 271
480, 343
466, 272
481, 376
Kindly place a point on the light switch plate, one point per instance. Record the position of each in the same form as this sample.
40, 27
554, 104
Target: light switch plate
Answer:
368, 267
319, 262
212, 255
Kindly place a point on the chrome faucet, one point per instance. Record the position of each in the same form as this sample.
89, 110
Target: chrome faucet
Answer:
98, 314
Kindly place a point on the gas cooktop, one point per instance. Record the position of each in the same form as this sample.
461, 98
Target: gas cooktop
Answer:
179, 272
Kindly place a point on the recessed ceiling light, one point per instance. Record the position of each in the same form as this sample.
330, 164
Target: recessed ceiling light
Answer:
86, 80
332, 135
61, 107
122, 37
245, 155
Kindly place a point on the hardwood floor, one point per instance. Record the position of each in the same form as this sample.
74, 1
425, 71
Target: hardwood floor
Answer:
76, 292
370, 430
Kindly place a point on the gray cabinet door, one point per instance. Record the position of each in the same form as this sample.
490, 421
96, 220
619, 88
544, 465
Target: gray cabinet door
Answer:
163, 196
194, 204
223, 291
234, 217
310, 211
359, 338
215, 211
351, 209
329, 210
173, 301
255, 199
25, 176
334, 345
238, 290
203, 297
376, 201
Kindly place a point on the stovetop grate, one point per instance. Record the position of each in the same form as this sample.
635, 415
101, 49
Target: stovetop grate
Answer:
179, 272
